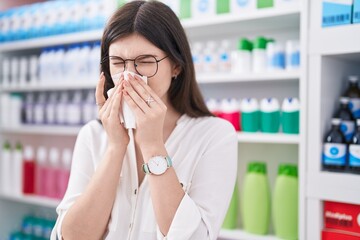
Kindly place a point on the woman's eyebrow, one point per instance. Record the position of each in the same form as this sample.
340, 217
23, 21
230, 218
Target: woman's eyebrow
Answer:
143, 54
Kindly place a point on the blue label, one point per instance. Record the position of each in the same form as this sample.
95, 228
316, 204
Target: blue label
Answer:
336, 14
204, 6
242, 3
354, 155
334, 154
348, 128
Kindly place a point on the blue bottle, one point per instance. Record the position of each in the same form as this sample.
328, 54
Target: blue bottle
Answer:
347, 119
354, 150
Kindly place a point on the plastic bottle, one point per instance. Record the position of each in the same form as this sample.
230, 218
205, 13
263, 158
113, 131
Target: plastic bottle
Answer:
271, 55
29, 169
64, 172
6, 165
353, 92
28, 109
43, 62
14, 71
230, 111
52, 187
203, 8
23, 73
197, 57
240, 7
279, 57
15, 110
335, 150
74, 109
210, 57
34, 70
241, 59
259, 55
88, 112
42, 174
94, 62
290, 118
16, 173
214, 106
39, 109
5, 72
256, 199
50, 109
230, 221
224, 56
5, 110
347, 120
270, 115
292, 55
250, 115
62, 108
285, 202
57, 68
354, 150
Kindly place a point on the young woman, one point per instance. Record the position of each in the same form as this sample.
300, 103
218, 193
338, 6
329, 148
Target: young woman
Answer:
173, 176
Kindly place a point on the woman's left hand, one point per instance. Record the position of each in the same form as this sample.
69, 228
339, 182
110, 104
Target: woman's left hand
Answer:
149, 112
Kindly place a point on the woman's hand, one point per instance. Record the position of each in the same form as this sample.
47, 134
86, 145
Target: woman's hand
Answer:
149, 112
109, 113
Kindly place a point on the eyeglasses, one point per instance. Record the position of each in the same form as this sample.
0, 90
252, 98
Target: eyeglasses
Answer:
145, 65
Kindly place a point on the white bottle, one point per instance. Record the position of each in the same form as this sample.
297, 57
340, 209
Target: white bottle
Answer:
43, 65
214, 106
53, 186
58, 68
292, 55
94, 63
203, 8
34, 70
14, 71
6, 184
23, 73
15, 110
41, 176
241, 58
270, 56
5, 101
197, 57
39, 109
83, 70
74, 109
242, 6
28, 108
62, 108
259, 55
88, 112
16, 172
224, 56
50, 112
279, 56
5, 72
210, 57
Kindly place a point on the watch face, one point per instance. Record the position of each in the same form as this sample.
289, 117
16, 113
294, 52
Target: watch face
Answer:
157, 165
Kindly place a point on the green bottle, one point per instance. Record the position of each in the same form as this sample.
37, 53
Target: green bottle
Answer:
285, 202
256, 199
270, 115
222, 6
250, 115
230, 221
265, 3
290, 115
185, 9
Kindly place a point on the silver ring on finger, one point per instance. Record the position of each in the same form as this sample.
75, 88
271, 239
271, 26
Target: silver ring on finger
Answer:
100, 104
149, 100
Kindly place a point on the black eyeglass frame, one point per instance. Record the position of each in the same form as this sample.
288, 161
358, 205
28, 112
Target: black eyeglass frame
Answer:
107, 58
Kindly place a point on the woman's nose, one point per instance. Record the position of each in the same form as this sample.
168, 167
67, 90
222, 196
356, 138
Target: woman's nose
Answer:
130, 66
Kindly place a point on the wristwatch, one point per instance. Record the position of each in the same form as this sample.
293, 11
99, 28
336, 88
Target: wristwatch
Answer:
157, 165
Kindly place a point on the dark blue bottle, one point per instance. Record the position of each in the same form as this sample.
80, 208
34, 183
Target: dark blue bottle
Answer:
347, 119
354, 150
335, 148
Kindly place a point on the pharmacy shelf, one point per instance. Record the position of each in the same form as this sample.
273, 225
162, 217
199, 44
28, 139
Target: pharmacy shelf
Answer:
250, 77
333, 186
254, 21
52, 41
278, 138
43, 130
56, 86
242, 235
335, 40
33, 200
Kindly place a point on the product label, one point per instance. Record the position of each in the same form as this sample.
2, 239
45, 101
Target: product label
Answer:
348, 128
334, 154
354, 106
354, 155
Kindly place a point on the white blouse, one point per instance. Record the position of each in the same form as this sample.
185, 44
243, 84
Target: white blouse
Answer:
204, 155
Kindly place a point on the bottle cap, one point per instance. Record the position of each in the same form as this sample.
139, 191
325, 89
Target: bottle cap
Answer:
213, 105
54, 157
288, 170
358, 122
249, 105
257, 167
353, 78
344, 100
66, 158
18, 146
336, 121
41, 155
244, 44
260, 43
28, 153
269, 105
290, 105
6, 145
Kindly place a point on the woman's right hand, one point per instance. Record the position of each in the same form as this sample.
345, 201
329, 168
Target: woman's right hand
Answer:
109, 110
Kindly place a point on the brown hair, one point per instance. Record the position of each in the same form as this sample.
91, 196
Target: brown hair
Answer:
158, 24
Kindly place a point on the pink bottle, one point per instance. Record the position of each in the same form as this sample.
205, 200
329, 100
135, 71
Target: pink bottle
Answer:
64, 172
41, 171
29, 168
52, 173
230, 110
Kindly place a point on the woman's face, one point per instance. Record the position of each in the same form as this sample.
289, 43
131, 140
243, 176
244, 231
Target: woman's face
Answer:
135, 45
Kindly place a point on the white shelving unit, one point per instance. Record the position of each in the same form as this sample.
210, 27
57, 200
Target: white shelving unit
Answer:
287, 23
334, 53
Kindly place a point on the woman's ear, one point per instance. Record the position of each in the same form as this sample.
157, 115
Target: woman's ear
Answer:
176, 71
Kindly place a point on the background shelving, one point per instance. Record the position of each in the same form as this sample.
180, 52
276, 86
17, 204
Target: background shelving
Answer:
241, 235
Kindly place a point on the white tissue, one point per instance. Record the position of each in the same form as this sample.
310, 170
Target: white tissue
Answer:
126, 115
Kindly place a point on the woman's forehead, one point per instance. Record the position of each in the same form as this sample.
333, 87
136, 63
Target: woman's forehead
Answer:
132, 46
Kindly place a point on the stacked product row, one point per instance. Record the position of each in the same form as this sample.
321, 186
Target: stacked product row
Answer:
33, 228
342, 143
72, 108
196, 9
61, 64
258, 56
47, 175
256, 204
247, 116
340, 12
52, 18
